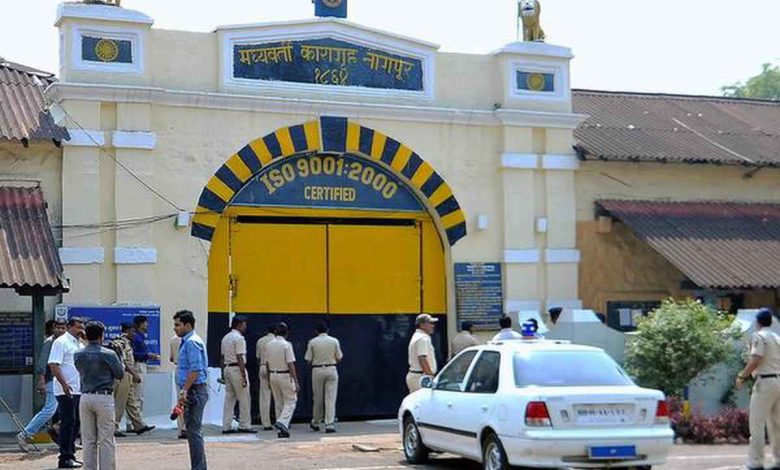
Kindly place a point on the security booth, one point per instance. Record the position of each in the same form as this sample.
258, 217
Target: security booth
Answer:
30, 265
351, 228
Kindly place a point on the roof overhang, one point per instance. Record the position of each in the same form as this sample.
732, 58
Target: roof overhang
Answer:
718, 245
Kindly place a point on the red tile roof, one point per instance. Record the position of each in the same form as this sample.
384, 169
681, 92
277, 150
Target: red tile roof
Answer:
715, 244
28, 255
676, 128
23, 111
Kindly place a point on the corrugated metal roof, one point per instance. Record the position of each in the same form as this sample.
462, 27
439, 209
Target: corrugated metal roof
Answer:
28, 255
715, 244
677, 128
23, 112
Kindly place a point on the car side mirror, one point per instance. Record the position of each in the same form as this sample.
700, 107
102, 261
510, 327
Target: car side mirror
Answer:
426, 382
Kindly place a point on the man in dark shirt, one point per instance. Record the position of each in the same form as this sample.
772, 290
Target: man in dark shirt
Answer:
98, 368
141, 355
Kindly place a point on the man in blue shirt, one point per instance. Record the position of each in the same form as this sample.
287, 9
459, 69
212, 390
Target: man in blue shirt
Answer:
141, 355
192, 380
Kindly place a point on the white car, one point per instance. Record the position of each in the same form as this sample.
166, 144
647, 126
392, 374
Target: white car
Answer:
539, 404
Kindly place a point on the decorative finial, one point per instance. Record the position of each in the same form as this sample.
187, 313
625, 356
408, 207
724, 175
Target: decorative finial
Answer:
529, 11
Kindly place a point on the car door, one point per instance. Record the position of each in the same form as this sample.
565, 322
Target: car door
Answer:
478, 402
438, 416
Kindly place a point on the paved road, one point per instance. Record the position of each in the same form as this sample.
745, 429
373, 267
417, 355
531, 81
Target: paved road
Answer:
306, 450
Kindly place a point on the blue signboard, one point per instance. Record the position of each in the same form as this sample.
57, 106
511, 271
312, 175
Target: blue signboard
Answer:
16, 342
328, 181
334, 8
119, 51
479, 293
327, 62
532, 81
113, 316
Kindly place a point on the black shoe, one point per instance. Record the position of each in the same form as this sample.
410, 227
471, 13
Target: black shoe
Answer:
283, 434
314, 427
246, 431
119, 434
329, 430
144, 429
280, 427
183, 435
69, 464
229, 431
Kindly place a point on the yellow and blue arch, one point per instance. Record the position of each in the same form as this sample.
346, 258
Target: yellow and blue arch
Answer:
328, 135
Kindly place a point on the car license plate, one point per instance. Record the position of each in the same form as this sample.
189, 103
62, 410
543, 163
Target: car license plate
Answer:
612, 452
604, 414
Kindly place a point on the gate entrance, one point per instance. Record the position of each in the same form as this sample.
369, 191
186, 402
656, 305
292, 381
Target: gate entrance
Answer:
350, 232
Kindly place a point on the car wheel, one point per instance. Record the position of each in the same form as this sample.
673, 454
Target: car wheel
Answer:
414, 449
493, 454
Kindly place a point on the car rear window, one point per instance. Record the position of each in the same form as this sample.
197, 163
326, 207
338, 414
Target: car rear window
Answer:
567, 369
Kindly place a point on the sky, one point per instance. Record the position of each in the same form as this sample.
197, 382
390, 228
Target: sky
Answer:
676, 46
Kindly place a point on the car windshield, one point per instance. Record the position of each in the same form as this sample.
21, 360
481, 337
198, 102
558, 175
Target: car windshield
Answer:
567, 369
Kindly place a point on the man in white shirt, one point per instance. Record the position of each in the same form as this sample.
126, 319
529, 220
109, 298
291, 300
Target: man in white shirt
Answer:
283, 378
67, 389
506, 330
265, 385
323, 353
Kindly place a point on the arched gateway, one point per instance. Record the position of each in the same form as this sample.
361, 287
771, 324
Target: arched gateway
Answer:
330, 220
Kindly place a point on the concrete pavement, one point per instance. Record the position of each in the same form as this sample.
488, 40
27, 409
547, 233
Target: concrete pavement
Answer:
307, 450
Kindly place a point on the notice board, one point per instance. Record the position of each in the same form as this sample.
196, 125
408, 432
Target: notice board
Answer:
479, 293
16, 342
114, 315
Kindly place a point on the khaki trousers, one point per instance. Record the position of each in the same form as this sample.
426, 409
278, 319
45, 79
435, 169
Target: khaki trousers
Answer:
137, 395
764, 411
325, 385
235, 390
125, 401
97, 431
265, 398
413, 381
285, 398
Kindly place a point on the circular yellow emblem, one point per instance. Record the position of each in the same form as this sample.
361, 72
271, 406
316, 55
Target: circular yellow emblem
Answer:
536, 82
332, 3
107, 50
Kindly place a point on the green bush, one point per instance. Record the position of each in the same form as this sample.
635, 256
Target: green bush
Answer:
677, 342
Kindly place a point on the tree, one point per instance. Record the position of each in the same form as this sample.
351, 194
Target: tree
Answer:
677, 342
765, 85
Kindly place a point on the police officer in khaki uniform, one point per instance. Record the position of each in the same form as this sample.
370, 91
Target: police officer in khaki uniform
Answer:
422, 357
283, 379
124, 400
764, 366
236, 379
265, 385
323, 353
463, 340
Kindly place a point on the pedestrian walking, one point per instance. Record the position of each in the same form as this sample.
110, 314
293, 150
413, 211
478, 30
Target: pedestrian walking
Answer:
264, 399
98, 368
234, 372
505, 322
283, 379
422, 356
192, 380
764, 366
464, 339
142, 356
323, 353
124, 391
175, 345
67, 390
53, 330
